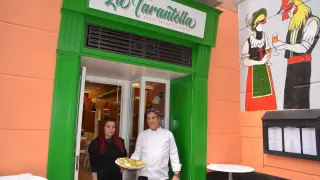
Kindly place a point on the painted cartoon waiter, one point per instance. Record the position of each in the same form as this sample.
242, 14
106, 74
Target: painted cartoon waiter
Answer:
302, 37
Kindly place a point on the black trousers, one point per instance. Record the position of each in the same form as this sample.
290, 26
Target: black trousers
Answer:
143, 178
297, 87
110, 175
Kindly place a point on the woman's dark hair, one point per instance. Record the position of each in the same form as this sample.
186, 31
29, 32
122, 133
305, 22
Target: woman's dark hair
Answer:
101, 136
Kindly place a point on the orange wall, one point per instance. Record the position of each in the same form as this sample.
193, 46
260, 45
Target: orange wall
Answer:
252, 153
223, 94
29, 33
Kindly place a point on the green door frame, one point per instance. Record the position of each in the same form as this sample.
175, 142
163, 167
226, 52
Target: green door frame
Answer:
75, 15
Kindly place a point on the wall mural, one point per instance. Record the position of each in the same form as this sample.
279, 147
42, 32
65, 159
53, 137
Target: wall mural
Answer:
279, 54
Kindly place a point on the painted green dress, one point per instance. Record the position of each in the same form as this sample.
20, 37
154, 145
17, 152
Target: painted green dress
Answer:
260, 93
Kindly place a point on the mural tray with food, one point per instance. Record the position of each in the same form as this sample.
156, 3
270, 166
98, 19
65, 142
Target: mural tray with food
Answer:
130, 164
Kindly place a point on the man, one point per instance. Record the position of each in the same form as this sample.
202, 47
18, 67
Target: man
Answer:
154, 147
302, 37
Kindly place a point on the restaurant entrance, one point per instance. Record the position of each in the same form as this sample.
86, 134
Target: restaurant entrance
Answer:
92, 33
140, 88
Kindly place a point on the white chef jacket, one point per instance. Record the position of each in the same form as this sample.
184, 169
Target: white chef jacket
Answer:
154, 148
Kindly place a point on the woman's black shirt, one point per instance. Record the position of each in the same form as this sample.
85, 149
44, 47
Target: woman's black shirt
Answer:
104, 165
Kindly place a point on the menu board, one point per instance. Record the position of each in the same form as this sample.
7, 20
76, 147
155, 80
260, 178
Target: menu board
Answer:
294, 134
292, 141
309, 144
275, 138
297, 140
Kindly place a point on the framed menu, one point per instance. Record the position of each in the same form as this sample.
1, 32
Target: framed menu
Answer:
290, 137
292, 140
275, 139
309, 141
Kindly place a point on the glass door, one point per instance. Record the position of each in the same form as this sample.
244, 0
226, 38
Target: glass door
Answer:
79, 121
157, 96
135, 113
145, 93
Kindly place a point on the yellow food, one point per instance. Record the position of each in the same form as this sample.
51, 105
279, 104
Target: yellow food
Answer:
130, 163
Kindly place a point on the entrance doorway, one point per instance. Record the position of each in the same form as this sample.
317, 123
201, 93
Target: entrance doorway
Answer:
123, 92
100, 102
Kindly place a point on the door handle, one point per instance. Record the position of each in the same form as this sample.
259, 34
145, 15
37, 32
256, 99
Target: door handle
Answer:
77, 163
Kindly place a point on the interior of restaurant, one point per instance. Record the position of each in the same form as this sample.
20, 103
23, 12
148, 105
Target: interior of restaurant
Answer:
104, 100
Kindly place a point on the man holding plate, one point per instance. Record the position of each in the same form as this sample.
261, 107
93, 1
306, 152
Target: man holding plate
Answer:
154, 147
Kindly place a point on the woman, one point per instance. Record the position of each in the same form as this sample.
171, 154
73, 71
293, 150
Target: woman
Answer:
256, 53
104, 150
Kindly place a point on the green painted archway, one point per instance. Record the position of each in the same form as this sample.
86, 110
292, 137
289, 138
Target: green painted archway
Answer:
75, 15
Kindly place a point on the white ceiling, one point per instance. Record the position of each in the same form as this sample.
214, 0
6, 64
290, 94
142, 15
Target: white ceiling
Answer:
122, 71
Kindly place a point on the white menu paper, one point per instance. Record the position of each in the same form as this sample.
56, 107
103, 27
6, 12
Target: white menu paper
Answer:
292, 143
275, 138
309, 144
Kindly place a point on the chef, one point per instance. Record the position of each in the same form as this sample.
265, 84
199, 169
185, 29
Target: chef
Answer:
154, 147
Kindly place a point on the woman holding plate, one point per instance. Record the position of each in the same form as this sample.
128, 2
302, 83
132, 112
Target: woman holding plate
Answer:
104, 150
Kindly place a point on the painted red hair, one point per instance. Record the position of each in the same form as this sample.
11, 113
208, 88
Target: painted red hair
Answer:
101, 135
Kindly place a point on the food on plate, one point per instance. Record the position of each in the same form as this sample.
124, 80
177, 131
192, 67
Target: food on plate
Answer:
128, 163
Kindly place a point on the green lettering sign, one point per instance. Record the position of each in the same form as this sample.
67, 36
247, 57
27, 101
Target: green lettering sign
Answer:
170, 14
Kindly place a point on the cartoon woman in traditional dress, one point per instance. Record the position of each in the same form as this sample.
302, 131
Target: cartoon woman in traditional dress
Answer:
256, 54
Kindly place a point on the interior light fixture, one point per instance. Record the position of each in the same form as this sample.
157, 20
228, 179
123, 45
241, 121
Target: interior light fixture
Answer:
106, 106
156, 99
